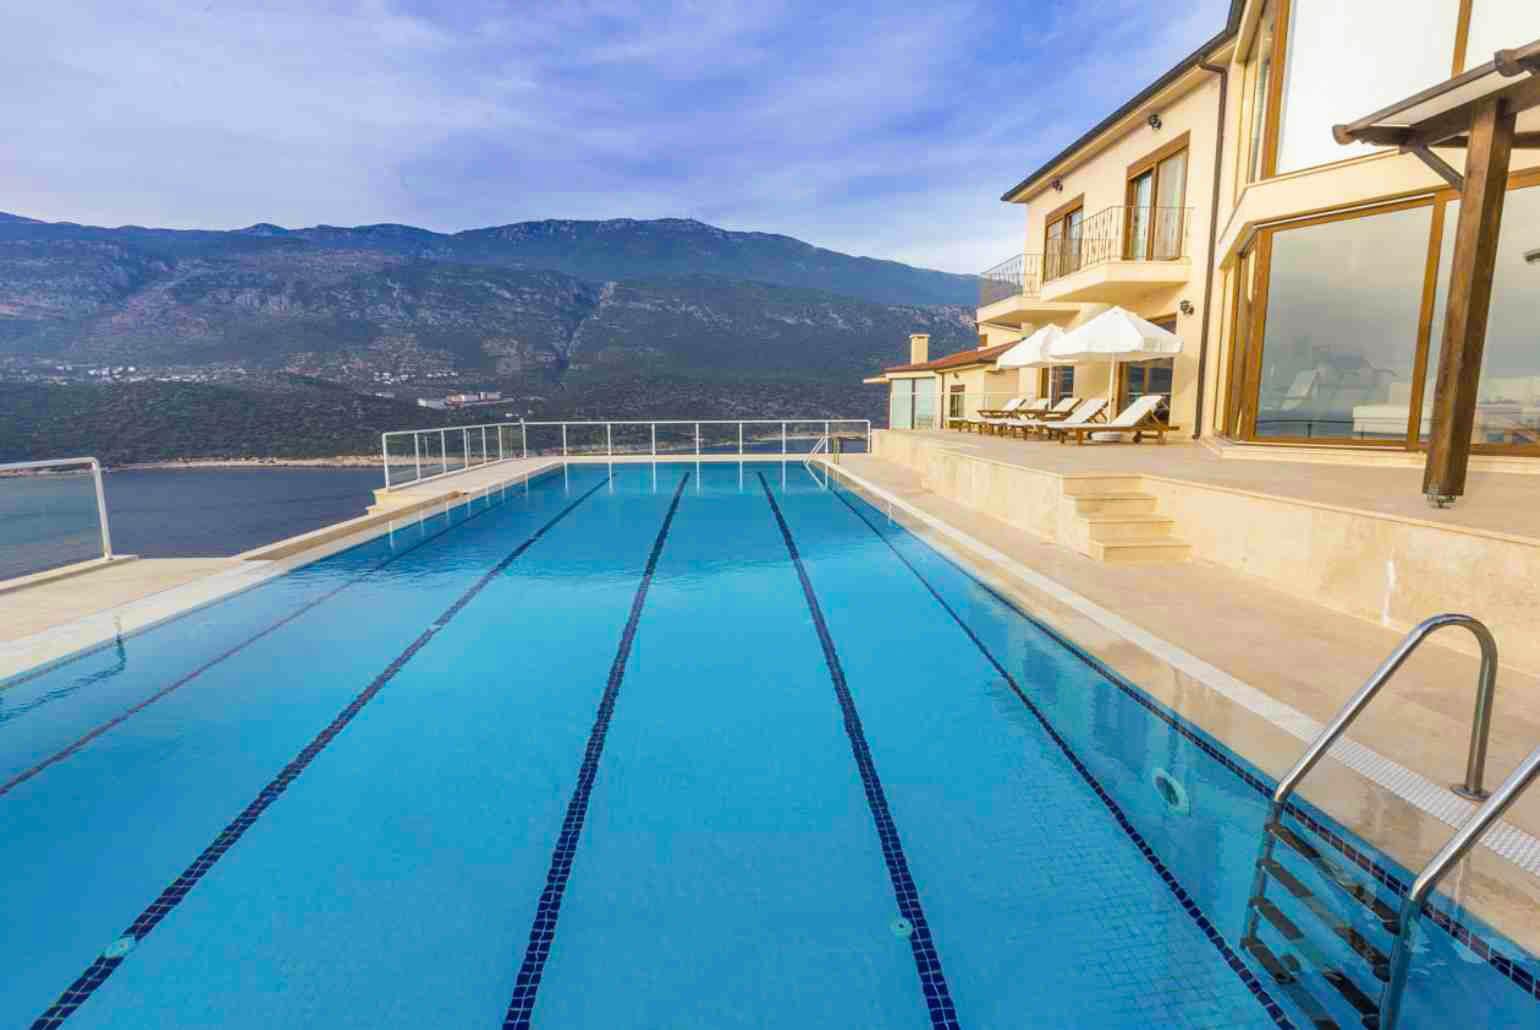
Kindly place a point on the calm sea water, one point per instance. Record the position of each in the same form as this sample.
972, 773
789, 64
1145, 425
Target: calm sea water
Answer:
172, 513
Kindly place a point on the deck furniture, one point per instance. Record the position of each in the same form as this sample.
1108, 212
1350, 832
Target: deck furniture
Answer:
1044, 413
1139, 418
1028, 409
982, 418
1085, 413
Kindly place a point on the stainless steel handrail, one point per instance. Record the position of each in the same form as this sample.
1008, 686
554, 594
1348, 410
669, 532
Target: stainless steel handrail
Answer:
1455, 849
417, 458
1481, 722
96, 476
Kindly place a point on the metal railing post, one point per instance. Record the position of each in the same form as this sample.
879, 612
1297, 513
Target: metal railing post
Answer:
609, 441
483, 445
523, 439
697, 439
500, 455
564, 439
416, 458
101, 506
465, 447
443, 449
654, 427
783, 439
385, 457
740, 439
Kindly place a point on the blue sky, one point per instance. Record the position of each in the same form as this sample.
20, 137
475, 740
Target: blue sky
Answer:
872, 129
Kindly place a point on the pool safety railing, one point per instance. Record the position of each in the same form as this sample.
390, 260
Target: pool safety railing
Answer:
411, 456
43, 468
1389, 970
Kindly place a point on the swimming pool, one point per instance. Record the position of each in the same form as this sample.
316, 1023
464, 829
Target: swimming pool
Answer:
645, 745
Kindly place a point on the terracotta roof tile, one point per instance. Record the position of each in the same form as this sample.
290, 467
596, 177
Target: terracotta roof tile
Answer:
961, 359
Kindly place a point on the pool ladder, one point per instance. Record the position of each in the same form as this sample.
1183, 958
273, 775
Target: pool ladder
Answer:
1388, 970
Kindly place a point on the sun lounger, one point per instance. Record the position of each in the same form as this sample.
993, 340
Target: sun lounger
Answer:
981, 421
1084, 414
1028, 409
1139, 419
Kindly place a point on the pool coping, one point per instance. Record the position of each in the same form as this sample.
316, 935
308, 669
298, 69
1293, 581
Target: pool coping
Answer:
25, 658
1512, 846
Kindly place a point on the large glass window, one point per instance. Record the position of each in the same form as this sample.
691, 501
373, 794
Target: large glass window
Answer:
1061, 382
1346, 60
1340, 335
1156, 217
925, 404
1061, 246
1500, 25
1259, 79
901, 404
1508, 399
1147, 377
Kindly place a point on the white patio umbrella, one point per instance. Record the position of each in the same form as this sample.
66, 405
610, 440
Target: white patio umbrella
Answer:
1029, 353
1114, 335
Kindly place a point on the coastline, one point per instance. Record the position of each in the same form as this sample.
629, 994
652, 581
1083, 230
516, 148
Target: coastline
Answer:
339, 461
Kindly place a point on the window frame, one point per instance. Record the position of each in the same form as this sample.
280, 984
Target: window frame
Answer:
1150, 164
1248, 341
1272, 119
1059, 217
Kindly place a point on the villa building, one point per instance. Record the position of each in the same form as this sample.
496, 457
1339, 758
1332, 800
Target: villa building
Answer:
1306, 278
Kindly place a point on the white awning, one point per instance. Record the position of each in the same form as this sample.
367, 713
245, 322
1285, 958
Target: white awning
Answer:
1029, 353
1114, 335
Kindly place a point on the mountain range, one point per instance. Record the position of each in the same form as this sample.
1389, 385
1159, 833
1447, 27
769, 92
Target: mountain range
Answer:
620, 318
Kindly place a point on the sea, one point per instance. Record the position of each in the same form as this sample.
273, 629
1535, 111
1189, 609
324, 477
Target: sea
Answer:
47, 521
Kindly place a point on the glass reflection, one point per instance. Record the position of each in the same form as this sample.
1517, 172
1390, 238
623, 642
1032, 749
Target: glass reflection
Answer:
1508, 399
1340, 336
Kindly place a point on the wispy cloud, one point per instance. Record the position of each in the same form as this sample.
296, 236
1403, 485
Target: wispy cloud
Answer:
866, 128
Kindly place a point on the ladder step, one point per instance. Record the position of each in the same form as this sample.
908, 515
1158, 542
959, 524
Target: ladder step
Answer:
1286, 978
1336, 875
1343, 983
1378, 961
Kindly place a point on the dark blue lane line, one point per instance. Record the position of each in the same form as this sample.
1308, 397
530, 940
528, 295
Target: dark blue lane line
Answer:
1188, 904
927, 961
80, 742
1478, 940
543, 930
105, 964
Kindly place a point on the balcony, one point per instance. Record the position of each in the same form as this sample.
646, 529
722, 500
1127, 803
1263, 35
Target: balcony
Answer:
1118, 255
1010, 294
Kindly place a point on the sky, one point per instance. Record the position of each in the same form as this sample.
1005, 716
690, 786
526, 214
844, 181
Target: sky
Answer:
879, 129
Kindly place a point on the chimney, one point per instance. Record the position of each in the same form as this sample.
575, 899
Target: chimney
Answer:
919, 348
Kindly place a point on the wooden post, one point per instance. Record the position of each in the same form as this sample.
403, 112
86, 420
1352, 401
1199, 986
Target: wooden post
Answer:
1468, 302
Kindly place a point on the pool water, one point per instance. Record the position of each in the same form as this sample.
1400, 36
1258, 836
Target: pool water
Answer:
684, 745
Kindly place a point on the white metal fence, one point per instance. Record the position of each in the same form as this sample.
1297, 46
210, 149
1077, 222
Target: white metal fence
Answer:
52, 513
411, 456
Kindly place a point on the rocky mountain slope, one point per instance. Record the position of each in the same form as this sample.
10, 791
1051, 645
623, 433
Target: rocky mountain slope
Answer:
617, 319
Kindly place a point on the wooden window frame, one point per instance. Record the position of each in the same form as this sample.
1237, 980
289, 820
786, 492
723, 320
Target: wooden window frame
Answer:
1120, 387
1151, 163
1428, 335
1058, 216
1272, 121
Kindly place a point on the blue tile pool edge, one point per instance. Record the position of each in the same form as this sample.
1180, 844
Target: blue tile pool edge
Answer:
107, 962
1362, 854
364, 537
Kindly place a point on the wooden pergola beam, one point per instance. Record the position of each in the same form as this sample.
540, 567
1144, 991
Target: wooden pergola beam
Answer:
1469, 299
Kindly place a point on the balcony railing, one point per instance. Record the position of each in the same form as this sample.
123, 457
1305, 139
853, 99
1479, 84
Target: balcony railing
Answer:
1016, 276
1120, 234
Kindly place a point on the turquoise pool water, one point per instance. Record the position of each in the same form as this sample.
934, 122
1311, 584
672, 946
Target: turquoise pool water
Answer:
677, 745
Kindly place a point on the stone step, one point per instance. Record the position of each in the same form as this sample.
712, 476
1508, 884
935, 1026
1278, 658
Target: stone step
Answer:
1115, 504
1130, 528
1136, 553
1091, 485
